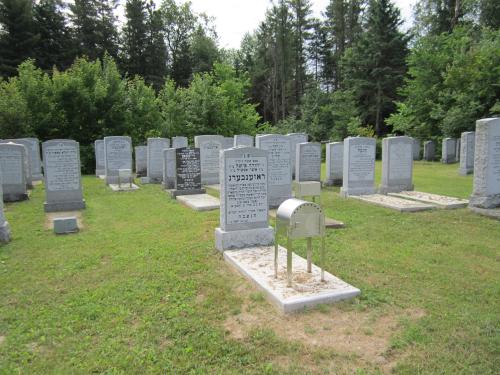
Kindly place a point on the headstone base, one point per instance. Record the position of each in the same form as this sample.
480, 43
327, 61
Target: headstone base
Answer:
64, 206
334, 182
489, 212
238, 239
65, 225
9, 197
440, 201
307, 290
5, 233
488, 202
344, 193
199, 202
394, 203
123, 187
383, 189
176, 193
465, 171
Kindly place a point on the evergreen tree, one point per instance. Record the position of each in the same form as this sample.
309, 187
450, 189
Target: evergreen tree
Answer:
375, 67
155, 52
18, 35
107, 33
135, 34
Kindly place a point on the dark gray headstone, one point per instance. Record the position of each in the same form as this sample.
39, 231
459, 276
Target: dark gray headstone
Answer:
187, 172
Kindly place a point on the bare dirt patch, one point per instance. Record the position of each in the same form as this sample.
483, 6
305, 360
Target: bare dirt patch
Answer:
50, 216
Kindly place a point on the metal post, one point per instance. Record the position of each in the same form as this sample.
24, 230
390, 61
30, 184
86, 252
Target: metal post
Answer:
289, 262
309, 254
323, 258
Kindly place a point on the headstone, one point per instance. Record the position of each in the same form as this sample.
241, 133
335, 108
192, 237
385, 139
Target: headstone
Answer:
26, 160
243, 140
308, 161
397, 165
13, 168
187, 179
179, 142
63, 184
294, 139
228, 142
35, 162
359, 166
467, 153
155, 158
117, 155
210, 146
100, 169
141, 161
280, 168
334, 163
416, 149
244, 212
4, 225
486, 191
457, 149
448, 154
429, 151
169, 168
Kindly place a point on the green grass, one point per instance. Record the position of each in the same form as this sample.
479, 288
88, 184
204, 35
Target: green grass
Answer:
141, 289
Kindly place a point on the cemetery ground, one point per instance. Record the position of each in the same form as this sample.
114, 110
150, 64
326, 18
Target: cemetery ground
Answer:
141, 289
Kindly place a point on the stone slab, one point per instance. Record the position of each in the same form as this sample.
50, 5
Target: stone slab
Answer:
394, 203
489, 212
200, 202
440, 201
238, 239
50, 217
123, 187
176, 193
257, 265
215, 187
65, 225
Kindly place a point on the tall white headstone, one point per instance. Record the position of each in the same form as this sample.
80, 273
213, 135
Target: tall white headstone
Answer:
117, 155
155, 158
100, 169
244, 220
397, 165
308, 161
334, 163
63, 183
210, 146
486, 191
13, 168
359, 166
467, 142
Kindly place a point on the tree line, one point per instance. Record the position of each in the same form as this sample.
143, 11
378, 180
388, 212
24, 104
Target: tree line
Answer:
353, 71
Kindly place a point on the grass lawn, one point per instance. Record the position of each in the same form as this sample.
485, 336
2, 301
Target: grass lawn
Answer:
141, 290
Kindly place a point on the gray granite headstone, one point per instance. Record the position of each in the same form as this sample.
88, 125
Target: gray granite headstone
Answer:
227, 142
486, 191
334, 163
4, 225
13, 168
308, 161
294, 139
448, 152
155, 158
63, 183
179, 142
467, 142
359, 166
169, 168
397, 165
27, 159
429, 151
210, 146
243, 140
416, 149
187, 178
244, 220
117, 155
100, 169
457, 149
141, 160
35, 162
280, 168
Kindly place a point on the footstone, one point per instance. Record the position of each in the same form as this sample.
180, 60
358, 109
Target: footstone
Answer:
169, 168
334, 163
296, 138
440, 201
99, 158
13, 168
123, 187
141, 161
397, 164
4, 225
467, 153
394, 203
486, 191
307, 290
155, 158
359, 166
416, 149
209, 146
429, 150
199, 202
187, 178
63, 185
449, 149
243, 140
280, 168
244, 220
179, 142
117, 155
65, 225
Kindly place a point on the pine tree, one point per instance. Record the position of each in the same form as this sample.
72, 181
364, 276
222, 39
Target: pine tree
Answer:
135, 38
17, 36
375, 67
155, 52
